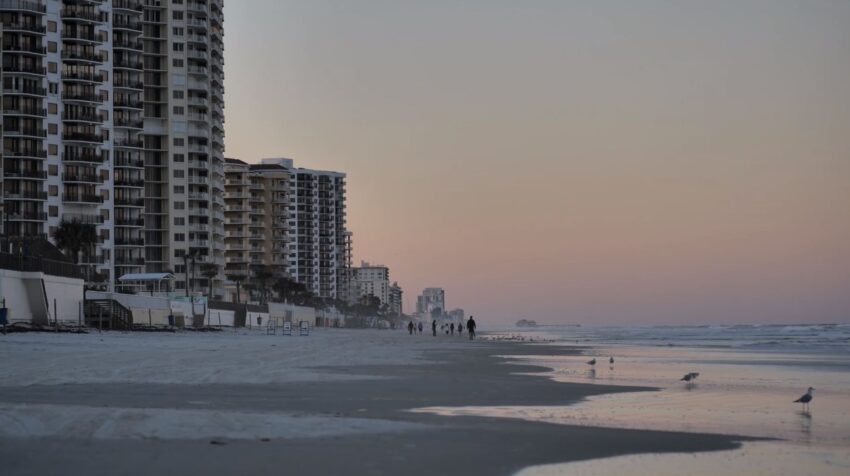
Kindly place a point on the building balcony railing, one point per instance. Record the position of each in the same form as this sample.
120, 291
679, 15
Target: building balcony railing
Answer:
24, 48
89, 57
132, 222
82, 137
82, 178
129, 183
81, 198
23, 173
82, 76
25, 195
84, 157
25, 216
129, 241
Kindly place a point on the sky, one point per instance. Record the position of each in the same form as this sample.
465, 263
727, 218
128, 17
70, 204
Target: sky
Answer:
579, 162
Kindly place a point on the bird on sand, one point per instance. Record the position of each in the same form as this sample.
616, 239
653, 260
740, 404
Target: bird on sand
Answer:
690, 377
806, 399
592, 361
611, 360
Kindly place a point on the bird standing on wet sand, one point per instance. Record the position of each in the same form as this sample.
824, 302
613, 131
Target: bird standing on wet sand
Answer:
592, 361
611, 360
690, 377
806, 399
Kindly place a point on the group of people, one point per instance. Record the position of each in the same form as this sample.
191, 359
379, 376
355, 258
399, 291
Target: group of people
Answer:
448, 328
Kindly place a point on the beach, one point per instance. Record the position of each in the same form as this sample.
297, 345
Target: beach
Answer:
334, 402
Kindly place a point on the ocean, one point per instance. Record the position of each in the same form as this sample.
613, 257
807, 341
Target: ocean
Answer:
749, 377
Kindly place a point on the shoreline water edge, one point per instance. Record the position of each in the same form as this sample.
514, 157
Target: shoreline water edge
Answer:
343, 414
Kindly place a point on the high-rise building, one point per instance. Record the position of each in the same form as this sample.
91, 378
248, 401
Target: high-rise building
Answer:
431, 301
396, 304
113, 116
289, 221
371, 280
184, 140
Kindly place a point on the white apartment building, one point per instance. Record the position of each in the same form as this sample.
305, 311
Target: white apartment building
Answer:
113, 115
184, 140
371, 280
289, 220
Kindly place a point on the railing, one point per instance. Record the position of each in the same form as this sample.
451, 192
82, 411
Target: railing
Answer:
19, 262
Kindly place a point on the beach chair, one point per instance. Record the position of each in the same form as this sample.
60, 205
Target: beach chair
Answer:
304, 328
287, 329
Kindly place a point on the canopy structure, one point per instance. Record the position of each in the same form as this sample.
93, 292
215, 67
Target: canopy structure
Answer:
152, 281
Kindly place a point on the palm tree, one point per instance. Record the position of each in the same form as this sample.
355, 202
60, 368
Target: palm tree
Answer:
262, 276
237, 278
74, 236
209, 271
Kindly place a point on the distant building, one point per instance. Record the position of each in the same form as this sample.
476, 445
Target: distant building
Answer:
290, 221
396, 306
429, 300
457, 315
371, 280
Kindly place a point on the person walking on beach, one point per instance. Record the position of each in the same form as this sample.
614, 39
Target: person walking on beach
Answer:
460, 328
470, 327
434, 328
452, 327
420, 327
410, 327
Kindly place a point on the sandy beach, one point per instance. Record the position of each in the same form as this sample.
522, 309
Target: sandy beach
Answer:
336, 402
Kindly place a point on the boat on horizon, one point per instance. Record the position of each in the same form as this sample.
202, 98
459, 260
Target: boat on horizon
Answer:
526, 323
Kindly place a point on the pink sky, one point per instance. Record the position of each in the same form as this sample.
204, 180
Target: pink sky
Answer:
609, 162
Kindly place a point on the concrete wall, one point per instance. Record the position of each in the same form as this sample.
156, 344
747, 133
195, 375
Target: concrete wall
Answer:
27, 302
292, 313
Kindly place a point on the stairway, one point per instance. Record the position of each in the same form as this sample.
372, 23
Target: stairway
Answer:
107, 314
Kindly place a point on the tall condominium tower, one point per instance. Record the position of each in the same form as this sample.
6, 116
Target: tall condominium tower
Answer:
113, 116
184, 139
289, 220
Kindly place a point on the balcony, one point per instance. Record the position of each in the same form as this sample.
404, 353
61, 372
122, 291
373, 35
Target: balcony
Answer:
82, 76
84, 56
81, 198
130, 222
82, 178
84, 15
83, 137
25, 195
123, 182
87, 157
124, 241
25, 174
25, 216
130, 202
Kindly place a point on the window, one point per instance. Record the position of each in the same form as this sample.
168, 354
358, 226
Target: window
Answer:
177, 94
52, 46
179, 221
177, 31
179, 205
52, 67
54, 211
54, 192
53, 88
53, 149
53, 170
179, 173
177, 62
179, 157
178, 141
52, 129
52, 108
178, 110
51, 26
179, 189
179, 237
177, 46
177, 15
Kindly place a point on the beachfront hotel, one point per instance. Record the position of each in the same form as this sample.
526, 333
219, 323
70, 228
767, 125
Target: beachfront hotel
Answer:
291, 221
371, 280
113, 115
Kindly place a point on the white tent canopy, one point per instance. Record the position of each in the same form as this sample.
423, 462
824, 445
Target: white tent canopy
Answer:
145, 281
146, 277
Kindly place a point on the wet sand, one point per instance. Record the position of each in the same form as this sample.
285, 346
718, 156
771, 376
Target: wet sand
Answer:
466, 374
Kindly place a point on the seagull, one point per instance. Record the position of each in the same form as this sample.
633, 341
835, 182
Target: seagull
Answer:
690, 377
611, 360
806, 399
592, 361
